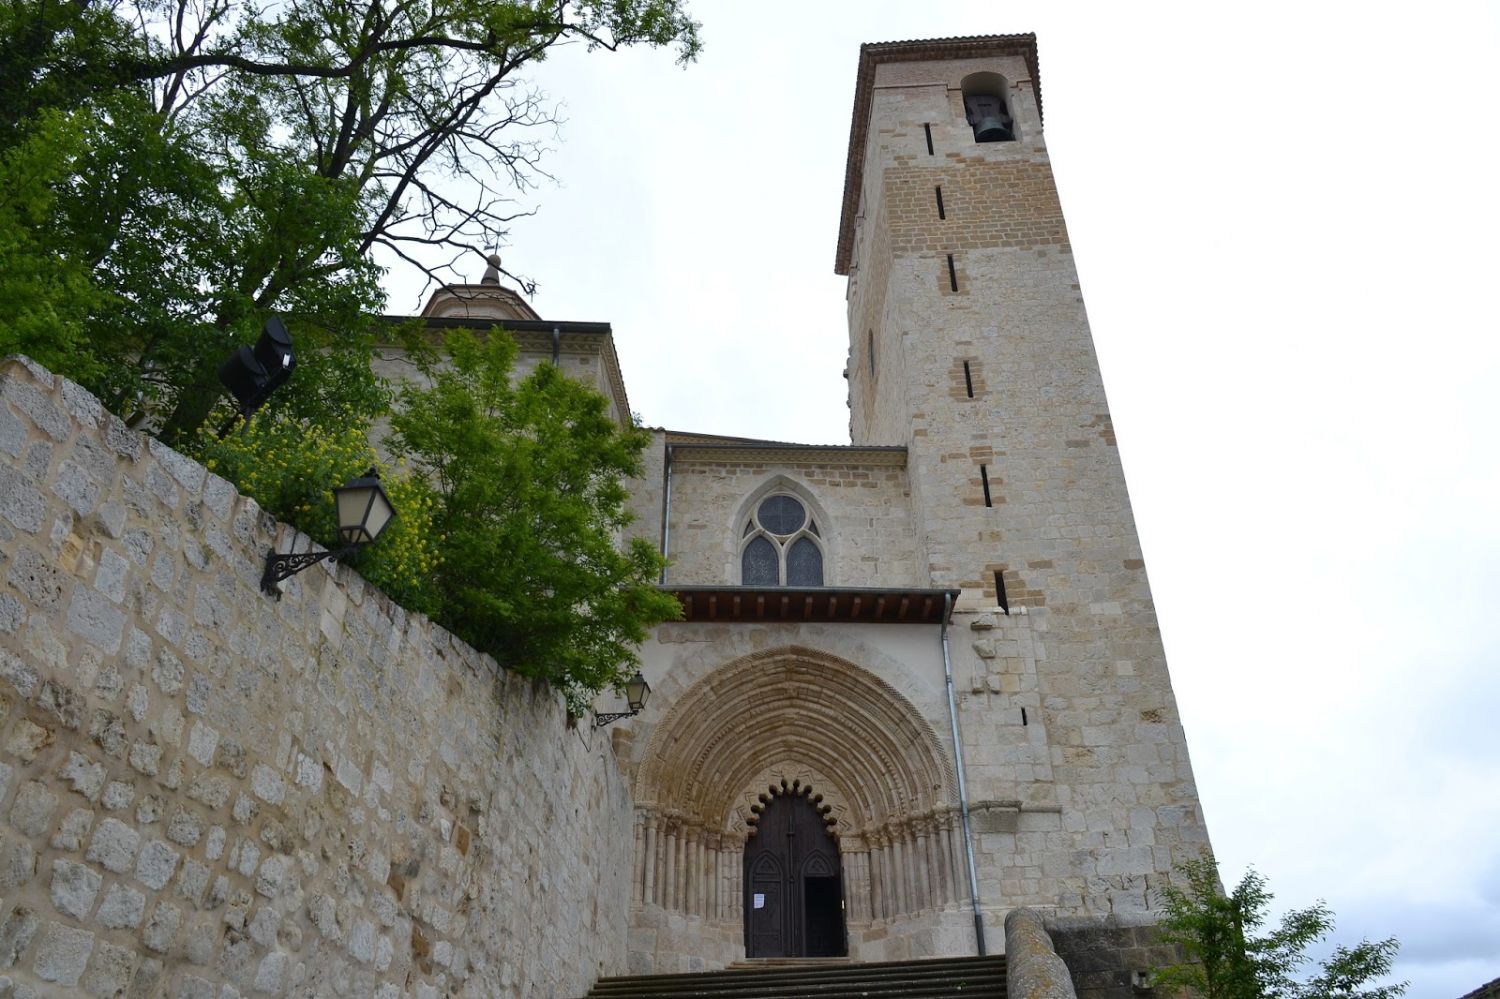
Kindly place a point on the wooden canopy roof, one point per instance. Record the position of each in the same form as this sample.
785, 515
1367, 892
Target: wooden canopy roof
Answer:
818, 604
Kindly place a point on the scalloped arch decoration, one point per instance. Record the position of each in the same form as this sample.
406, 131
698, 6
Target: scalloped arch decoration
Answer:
791, 710
789, 777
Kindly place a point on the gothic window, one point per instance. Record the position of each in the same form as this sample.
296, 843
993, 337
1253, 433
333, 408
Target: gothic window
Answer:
781, 545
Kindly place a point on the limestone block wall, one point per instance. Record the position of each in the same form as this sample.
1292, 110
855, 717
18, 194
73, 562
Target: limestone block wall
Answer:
880, 401
646, 493
208, 792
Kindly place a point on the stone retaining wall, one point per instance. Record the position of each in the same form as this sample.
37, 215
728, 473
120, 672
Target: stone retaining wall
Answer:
1106, 954
1032, 968
208, 792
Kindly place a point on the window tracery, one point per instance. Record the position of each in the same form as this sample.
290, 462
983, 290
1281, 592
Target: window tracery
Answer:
780, 545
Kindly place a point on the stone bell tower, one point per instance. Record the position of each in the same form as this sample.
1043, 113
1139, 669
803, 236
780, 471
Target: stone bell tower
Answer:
969, 345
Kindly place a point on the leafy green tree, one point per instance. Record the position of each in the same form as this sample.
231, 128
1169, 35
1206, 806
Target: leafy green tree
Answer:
45, 300
1231, 954
530, 509
242, 158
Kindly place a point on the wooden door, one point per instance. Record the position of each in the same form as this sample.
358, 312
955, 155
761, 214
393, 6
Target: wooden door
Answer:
793, 885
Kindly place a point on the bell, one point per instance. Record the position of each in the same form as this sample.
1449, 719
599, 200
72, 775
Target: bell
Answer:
993, 128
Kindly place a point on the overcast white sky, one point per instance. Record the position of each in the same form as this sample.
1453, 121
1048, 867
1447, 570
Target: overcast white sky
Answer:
1285, 218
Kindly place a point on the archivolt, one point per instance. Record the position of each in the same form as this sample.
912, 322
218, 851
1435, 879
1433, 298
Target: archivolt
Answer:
794, 706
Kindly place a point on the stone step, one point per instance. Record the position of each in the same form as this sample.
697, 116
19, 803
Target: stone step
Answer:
752, 963
825, 978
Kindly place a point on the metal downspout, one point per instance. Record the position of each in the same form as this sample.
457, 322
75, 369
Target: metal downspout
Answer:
666, 518
963, 792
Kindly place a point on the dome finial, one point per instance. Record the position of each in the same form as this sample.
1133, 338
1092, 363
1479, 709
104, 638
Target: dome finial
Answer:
492, 271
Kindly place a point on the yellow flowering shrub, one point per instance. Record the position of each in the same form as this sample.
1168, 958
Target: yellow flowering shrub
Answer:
290, 466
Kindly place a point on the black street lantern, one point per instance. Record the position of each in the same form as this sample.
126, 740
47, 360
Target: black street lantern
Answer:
252, 373
636, 692
363, 510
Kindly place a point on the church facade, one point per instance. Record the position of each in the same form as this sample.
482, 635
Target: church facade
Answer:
918, 680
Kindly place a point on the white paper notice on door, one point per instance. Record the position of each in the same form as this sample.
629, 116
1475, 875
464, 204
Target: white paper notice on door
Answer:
760, 901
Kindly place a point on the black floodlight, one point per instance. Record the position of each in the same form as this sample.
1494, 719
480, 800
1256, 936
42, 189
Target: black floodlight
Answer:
636, 691
252, 373
363, 510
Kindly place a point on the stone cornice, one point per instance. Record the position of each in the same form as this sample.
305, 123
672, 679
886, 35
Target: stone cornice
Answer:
730, 452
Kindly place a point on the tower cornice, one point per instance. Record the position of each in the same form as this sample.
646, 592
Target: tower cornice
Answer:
871, 55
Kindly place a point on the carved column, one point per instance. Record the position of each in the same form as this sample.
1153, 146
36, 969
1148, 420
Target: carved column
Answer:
648, 891
721, 880
925, 859
638, 867
939, 861
945, 857
700, 872
735, 861
950, 825
694, 879
849, 864
670, 853
689, 876
956, 857
889, 865
680, 895
902, 866
711, 877
861, 884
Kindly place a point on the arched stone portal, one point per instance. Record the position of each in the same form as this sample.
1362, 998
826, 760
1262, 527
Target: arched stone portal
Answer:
789, 717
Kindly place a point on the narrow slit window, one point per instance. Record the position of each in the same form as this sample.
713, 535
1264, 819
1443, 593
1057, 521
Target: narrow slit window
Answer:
1000, 597
928, 129
1023, 716
870, 350
952, 274
942, 213
968, 380
984, 480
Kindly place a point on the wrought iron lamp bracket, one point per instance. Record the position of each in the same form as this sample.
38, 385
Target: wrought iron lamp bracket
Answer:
280, 567
601, 720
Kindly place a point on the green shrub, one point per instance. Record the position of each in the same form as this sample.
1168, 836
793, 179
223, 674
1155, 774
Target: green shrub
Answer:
290, 466
530, 505
1231, 953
